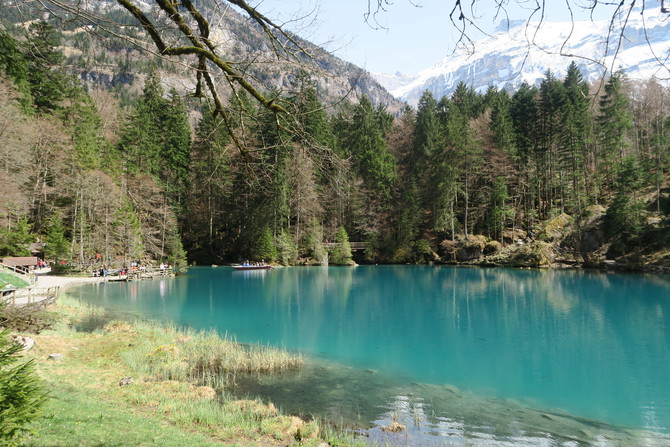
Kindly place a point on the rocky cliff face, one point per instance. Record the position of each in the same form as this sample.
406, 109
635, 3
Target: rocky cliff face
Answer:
100, 57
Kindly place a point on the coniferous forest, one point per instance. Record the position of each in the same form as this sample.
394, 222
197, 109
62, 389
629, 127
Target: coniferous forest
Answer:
560, 172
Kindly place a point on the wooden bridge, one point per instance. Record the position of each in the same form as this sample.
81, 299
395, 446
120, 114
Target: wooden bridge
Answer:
355, 246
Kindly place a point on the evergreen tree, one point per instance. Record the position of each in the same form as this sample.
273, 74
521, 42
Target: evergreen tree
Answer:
265, 248
524, 109
287, 252
14, 64
176, 148
128, 231
625, 215
501, 123
341, 252
21, 392
462, 160
613, 123
427, 137
467, 101
314, 126
142, 137
210, 184
85, 126
46, 79
366, 143
498, 211
574, 137
548, 179
14, 241
314, 244
57, 245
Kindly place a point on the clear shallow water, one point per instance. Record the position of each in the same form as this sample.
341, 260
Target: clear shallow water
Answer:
461, 356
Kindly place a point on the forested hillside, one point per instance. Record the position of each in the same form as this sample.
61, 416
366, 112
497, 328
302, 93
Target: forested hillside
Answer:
555, 173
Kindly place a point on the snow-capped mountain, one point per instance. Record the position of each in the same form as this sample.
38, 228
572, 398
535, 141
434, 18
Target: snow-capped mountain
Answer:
521, 52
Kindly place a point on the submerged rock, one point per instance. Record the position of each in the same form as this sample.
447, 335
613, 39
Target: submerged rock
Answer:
393, 427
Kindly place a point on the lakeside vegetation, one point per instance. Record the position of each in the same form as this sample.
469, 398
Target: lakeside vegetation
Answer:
141, 383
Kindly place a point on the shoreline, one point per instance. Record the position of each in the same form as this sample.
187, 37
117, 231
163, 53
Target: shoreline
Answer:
64, 282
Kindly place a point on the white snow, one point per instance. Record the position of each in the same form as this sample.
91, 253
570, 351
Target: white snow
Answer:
524, 52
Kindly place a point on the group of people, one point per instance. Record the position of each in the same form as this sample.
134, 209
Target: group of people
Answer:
253, 263
134, 267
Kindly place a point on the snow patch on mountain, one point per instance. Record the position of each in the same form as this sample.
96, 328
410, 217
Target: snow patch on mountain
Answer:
518, 52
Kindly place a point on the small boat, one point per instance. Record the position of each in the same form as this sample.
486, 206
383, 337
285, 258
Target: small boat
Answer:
252, 267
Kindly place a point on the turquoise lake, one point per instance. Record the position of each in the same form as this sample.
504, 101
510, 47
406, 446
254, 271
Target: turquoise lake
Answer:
460, 356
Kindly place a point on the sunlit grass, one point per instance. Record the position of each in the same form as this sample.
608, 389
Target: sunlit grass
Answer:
170, 353
174, 397
7, 280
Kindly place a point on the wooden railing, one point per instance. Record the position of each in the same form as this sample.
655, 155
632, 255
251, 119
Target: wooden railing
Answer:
16, 268
42, 296
354, 245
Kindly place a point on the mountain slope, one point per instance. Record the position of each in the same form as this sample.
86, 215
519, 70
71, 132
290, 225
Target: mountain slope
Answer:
107, 51
523, 53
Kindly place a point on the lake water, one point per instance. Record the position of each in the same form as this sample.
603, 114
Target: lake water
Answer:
460, 356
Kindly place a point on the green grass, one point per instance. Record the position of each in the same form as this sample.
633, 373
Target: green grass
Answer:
75, 417
168, 403
170, 353
9, 280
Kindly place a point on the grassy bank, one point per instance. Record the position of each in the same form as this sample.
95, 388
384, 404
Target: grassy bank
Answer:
175, 395
7, 280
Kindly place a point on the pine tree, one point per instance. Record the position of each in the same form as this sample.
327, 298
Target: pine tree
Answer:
21, 392
265, 248
142, 138
551, 101
85, 127
341, 252
46, 79
14, 64
524, 117
625, 215
613, 124
210, 184
57, 246
458, 165
176, 148
500, 122
574, 138
287, 252
366, 143
14, 241
314, 244
498, 211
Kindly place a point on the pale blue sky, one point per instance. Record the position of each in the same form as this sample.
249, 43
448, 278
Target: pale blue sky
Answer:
414, 38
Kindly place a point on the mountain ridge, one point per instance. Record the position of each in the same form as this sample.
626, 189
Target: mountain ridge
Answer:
518, 52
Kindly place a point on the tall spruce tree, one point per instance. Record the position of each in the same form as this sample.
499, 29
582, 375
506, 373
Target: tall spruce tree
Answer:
524, 109
175, 152
341, 252
46, 78
613, 123
574, 138
366, 144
